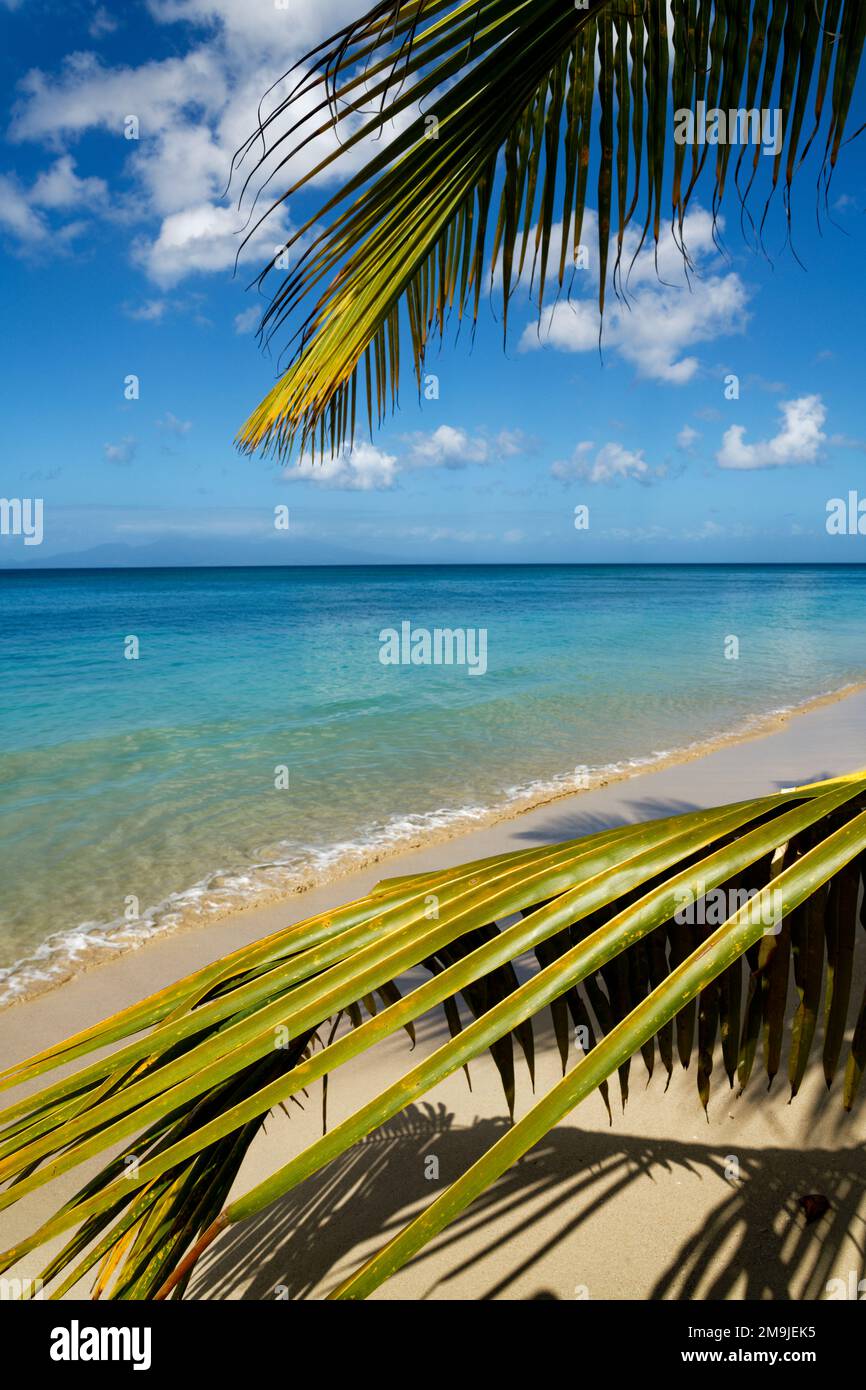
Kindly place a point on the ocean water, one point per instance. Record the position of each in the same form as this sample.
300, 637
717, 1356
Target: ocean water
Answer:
135, 793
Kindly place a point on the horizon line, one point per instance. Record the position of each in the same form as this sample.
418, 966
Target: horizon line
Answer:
446, 564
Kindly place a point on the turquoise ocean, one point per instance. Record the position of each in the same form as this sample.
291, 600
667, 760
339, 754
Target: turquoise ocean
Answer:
139, 793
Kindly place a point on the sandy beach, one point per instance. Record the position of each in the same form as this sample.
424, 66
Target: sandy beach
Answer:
665, 1203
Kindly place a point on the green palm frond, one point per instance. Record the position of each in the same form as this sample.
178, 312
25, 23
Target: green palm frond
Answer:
494, 112
627, 959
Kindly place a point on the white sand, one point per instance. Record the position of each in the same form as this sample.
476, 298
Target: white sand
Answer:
651, 1207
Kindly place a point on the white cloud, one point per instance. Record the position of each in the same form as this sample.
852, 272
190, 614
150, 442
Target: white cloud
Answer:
247, 321
182, 166
666, 316
845, 441
60, 187
448, 447
366, 467
201, 239
687, 438
86, 96
510, 443
362, 469
800, 439
295, 26
611, 463
17, 216
194, 112
56, 189
173, 425
123, 452
151, 311
101, 23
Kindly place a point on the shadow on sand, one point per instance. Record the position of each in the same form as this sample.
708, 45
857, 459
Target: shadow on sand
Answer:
755, 1236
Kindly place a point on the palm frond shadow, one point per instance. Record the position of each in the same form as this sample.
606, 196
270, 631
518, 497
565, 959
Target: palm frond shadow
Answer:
561, 825
819, 775
756, 1237
569, 825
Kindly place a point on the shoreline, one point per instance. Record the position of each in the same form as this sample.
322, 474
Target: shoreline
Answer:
102, 944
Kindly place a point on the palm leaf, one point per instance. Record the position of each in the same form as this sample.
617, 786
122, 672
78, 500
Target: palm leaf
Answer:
512, 88
196, 1069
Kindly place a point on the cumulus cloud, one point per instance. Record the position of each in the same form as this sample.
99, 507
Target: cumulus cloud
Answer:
193, 113
367, 468
448, 447
86, 95
296, 25
666, 315
609, 464
800, 439
18, 217
202, 239
687, 438
57, 189
60, 187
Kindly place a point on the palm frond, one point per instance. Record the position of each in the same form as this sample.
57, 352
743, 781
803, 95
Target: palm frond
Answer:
495, 111
197, 1068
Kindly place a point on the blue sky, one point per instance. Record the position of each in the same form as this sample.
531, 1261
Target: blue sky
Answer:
117, 259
